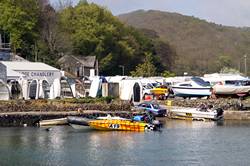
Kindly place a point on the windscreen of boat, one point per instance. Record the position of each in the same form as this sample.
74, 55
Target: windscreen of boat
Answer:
200, 81
156, 106
242, 83
246, 83
232, 82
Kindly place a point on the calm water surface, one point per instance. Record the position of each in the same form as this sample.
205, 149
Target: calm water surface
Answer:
179, 143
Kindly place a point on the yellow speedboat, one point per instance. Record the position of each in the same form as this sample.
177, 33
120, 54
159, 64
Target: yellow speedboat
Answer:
114, 123
125, 125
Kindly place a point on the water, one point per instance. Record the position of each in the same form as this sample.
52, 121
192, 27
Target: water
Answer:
179, 143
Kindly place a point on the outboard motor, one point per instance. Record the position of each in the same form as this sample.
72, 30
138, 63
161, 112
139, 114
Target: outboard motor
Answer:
157, 124
149, 118
219, 113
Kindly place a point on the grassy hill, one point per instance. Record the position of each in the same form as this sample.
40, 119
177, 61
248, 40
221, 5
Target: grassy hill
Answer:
201, 47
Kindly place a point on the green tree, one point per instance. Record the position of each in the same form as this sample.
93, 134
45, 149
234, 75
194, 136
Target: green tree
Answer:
168, 74
223, 61
146, 69
19, 18
42, 33
93, 30
229, 70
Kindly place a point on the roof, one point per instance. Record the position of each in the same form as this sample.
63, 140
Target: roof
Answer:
27, 66
18, 58
11, 73
87, 61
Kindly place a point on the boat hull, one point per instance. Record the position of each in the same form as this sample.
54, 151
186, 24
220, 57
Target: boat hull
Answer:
191, 92
120, 125
194, 114
78, 120
231, 90
79, 127
113, 123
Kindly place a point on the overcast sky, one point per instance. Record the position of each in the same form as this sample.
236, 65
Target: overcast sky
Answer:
226, 12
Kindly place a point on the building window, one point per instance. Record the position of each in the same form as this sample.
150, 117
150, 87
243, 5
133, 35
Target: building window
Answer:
78, 71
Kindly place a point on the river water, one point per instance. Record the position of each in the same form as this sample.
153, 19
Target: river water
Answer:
179, 143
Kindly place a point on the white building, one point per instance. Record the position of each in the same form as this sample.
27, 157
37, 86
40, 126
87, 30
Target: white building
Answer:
37, 80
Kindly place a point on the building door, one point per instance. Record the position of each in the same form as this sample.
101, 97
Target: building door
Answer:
16, 90
137, 92
46, 89
33, 89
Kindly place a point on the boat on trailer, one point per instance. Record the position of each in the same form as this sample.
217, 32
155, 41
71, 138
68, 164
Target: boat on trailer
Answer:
195, 87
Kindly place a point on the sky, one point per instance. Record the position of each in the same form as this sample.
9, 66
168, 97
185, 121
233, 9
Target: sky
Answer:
225, 12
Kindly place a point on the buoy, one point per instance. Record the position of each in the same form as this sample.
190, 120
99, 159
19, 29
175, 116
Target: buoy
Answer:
49, 129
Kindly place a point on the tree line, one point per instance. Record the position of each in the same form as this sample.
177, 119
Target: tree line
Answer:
40, 32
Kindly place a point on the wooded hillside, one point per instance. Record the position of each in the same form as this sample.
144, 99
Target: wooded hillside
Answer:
201, 47
38, 32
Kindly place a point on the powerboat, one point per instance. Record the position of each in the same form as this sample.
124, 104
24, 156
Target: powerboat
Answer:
195, 87
78, 122
111, 123
120, 125
201, 113
239, 88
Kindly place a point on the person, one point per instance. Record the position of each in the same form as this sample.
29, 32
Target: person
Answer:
210, 108
202, 107
149, 117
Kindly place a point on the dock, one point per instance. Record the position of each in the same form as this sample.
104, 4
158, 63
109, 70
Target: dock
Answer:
17, 119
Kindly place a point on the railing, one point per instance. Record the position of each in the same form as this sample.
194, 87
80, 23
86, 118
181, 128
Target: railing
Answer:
5, 46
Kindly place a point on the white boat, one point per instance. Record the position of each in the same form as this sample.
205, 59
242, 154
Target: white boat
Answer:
195, 87
196, 113
240, 88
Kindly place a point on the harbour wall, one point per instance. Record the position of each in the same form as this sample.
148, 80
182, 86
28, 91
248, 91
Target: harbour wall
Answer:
29, 113
18, 119
237, 115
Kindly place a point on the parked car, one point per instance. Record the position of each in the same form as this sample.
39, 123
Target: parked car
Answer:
152, 108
